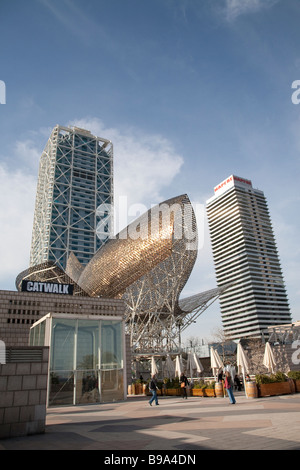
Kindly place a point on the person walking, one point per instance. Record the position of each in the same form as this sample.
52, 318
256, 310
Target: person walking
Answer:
153, 389
228, 385
237, 383
183, 385
220, 375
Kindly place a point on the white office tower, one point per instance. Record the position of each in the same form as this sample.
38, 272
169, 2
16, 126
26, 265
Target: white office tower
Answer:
75, 178
245, 256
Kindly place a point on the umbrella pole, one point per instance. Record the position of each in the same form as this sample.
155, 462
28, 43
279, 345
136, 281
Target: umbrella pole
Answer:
245, 383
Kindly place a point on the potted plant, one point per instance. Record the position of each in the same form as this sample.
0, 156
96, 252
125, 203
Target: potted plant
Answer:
209, 391
203, 389
273, 384
197, 391
172, 387
138, 387
146, 390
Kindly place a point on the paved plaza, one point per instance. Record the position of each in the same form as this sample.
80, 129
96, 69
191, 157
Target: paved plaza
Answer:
271, 423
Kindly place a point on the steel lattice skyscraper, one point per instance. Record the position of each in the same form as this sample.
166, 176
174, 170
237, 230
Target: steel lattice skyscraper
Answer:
245, 256
75, 177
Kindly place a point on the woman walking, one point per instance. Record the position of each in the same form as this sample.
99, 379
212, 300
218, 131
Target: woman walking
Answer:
228, 384
183, 385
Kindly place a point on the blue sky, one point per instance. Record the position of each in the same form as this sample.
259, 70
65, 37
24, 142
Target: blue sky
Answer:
189, 91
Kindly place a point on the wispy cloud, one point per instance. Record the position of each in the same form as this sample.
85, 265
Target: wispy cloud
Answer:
18, 181
144, 164
16, 219
235, 8
72, 18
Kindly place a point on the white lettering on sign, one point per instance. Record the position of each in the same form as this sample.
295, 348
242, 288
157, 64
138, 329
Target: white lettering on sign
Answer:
229, 182
224, 183
47, 287
242, 180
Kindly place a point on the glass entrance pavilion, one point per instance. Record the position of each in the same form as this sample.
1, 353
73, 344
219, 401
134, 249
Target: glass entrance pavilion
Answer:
87, 358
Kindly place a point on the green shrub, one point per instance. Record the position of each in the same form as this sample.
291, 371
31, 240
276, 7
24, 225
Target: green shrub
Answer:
262, 379
280, 377
272, 378
173, 383
199, 384
203, 385
137, 382
294, 374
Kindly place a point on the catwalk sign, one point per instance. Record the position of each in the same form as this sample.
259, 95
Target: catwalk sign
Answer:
47, 287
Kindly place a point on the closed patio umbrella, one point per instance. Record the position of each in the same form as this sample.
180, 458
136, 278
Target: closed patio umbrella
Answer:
269, 359
242, 360
191, 364
215, 362
154, 369
200, 367
170, 369
178, 366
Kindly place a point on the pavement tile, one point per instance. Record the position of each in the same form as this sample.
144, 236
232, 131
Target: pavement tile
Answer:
195, 424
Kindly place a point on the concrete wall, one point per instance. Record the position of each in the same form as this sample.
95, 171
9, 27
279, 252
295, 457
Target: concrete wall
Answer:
23, 391
285, 357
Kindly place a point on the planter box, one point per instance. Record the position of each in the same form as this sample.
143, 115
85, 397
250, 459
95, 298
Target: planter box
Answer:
196, 392
277, 388
173, 391
206, 392
209, 392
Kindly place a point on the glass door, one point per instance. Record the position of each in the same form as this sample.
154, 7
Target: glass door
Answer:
111, 361
87, 362
87, 387
61, 373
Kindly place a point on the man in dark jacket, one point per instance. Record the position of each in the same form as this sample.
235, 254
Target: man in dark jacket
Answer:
153, 387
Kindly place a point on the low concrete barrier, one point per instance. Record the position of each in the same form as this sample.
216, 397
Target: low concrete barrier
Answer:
23, 391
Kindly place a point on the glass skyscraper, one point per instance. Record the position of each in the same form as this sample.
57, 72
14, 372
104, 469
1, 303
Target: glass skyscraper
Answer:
75, 177
246, 259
